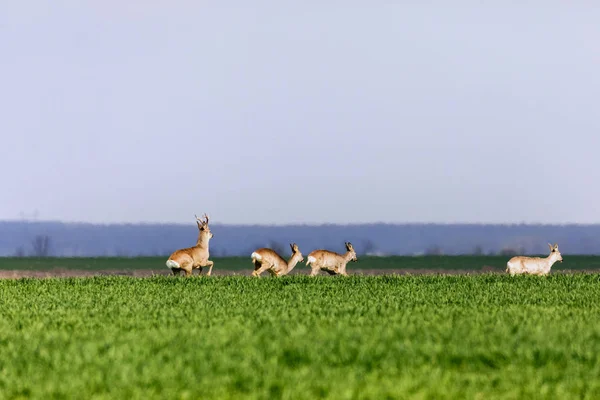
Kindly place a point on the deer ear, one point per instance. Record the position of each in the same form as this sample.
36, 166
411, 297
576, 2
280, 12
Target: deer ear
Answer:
292, 246
551, 247
556, 246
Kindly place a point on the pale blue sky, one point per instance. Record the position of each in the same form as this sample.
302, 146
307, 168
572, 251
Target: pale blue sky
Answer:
417, 111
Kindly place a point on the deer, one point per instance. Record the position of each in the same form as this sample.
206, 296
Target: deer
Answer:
266, 259
194, 257
330, 262
534, 265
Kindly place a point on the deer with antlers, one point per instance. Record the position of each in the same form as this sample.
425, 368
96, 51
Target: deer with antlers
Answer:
268, 260
534, 265
330, 262
194, 257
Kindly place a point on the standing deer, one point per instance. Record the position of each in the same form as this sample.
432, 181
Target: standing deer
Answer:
268, 260
193, 257
534, 265
330, 262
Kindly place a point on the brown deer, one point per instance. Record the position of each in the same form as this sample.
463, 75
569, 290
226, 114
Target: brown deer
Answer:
330, 262
268, 260
194, 257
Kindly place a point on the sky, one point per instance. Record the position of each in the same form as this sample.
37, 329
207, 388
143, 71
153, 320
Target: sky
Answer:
271, 113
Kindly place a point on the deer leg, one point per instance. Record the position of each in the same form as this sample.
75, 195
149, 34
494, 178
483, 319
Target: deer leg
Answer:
176, 271
209, 264
263, 268
187, 265
257, 265
315, 271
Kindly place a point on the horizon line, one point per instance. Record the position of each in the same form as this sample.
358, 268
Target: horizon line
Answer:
291, 224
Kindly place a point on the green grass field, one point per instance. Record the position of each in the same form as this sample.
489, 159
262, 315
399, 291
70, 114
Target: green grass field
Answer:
431, 337
244, 263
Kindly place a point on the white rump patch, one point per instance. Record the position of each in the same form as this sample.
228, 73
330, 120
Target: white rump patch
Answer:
256, 256
172, 264
311, 259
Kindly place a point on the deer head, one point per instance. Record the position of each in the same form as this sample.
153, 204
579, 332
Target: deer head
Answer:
554, 253
350, 249
203, 226
296, 252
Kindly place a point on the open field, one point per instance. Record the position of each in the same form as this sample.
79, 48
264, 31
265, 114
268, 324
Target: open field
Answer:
481, 336
148, 266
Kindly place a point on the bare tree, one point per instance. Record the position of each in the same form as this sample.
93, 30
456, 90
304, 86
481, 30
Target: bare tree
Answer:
20, 252
277, 247
41, 246
434, 250
477, 250
369, 247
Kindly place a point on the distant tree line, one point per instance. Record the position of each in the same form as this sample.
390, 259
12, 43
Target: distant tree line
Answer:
43, 239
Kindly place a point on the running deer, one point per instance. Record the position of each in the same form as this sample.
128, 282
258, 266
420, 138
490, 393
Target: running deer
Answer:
193, 257
534, 265
330, 262
268, 260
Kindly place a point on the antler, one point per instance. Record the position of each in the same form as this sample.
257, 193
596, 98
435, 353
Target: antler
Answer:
201, 220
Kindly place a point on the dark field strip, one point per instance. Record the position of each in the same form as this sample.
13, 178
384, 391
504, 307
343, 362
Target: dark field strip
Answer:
430, 337
462, 263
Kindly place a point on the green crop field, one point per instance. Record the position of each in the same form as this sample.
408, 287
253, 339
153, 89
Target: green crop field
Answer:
244, 263
363, 337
